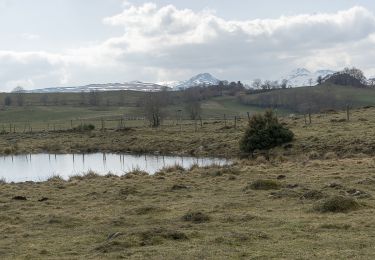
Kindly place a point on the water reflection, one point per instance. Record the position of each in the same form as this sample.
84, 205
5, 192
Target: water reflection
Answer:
39, 167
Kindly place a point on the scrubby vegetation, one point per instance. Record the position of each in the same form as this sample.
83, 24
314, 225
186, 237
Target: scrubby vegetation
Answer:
264, 132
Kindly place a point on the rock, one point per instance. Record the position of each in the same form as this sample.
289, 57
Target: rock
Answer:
281, 177
43, 199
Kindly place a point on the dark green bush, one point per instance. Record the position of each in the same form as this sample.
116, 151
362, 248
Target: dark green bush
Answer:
84, 127
264, 132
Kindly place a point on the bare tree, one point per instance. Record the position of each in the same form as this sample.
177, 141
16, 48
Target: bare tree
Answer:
94, 98
20, 98
284, 83
319, 80
310, 82
192, 102
7, 101
44, 99
257, 83
153, 104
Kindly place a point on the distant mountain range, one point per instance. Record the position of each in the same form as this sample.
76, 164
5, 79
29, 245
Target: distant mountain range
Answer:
296, 78
134, 85
198, 80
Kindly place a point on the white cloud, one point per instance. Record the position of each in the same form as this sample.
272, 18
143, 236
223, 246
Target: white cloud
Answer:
167, 43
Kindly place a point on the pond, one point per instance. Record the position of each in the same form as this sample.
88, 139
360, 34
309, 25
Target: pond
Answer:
40, 167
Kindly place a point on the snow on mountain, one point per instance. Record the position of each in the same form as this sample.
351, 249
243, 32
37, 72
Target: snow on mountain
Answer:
303, 77
170, 84
199, 80
134, 85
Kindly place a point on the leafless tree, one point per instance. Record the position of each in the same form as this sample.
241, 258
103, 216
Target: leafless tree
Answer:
153, 104
20, 98
192, 102
257, 83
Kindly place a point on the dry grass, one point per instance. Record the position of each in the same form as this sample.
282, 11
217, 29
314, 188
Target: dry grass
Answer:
203, 216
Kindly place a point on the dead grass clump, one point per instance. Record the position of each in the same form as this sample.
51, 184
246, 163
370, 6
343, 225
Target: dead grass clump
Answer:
147, 210
313, 155
176, 187
338, 120
127, 191
171, 169
261, 160
135, 172
337, 204
335, 226
312, 195
86, 176
196, 217
285, 193
55, 178
263, 185
155, 236
330, 156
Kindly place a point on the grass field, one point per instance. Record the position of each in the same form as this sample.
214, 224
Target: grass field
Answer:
203, 213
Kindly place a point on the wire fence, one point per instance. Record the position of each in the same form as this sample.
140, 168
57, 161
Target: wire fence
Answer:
112, 123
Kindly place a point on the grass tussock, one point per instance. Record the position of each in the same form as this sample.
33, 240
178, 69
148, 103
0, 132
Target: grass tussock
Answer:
263, 185
196, 217
337, 204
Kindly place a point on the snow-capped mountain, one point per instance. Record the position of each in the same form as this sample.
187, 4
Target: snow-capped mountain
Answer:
133, 85
199, 80
303, 77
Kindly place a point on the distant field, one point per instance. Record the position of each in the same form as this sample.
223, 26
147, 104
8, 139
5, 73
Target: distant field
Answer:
64, 110
315, 98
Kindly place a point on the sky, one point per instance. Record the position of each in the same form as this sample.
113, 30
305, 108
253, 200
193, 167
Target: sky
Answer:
50, 43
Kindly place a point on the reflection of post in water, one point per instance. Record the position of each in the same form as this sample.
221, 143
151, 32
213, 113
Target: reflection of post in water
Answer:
104, 161
83, 159
49, 158
163, 161
73, 159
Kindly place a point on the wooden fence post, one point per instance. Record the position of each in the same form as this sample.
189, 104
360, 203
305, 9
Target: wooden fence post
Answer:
347, 112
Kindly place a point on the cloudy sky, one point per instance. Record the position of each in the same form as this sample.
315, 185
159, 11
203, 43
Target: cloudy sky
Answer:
47, 43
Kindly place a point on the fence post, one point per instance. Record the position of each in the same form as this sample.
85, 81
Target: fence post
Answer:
347, 112
310, 117
225, 120
248, 117
235, 122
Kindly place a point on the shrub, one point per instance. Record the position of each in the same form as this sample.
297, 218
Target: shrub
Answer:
264, 132
337, 204
84, 127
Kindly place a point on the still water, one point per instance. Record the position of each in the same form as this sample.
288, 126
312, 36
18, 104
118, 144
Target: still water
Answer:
39, 167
